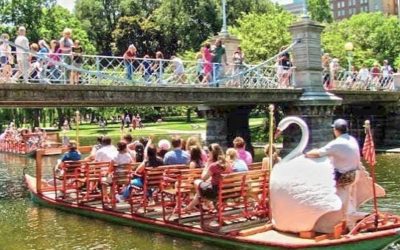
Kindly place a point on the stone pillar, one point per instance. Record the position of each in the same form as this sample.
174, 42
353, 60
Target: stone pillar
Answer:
392, 126
216, 128
315, 106
238, 125
226, 123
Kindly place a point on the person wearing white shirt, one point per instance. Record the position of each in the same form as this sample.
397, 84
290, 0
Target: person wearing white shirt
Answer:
107, 152
22, 49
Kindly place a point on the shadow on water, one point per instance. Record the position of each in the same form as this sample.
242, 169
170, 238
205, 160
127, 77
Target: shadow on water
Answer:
27, 226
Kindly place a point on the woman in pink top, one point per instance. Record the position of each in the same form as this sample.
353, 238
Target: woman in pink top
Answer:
207, 59
239, 145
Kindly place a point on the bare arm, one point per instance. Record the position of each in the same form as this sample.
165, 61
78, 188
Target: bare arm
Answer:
314, 153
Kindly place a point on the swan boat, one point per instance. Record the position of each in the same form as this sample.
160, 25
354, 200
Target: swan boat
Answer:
262, 235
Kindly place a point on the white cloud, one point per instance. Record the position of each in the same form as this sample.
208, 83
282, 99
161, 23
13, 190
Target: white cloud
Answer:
69, 4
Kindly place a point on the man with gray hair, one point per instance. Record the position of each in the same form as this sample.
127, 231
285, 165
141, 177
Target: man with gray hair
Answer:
22, 49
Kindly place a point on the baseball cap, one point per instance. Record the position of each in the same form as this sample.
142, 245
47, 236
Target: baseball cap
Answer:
340, 124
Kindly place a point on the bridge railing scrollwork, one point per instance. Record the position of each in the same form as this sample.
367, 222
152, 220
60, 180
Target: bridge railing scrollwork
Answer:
56, 68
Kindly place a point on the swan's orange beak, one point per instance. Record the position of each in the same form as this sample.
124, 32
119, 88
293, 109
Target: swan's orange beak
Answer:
277, 134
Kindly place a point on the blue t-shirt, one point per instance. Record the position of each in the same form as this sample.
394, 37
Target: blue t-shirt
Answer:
239, 166
175, 157
71, 156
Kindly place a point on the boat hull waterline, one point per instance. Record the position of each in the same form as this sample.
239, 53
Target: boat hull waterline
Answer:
367, 241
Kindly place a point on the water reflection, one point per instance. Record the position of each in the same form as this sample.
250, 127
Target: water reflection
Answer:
24, 225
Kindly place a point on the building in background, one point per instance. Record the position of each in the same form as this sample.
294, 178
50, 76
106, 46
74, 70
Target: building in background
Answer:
296, 7
346, 8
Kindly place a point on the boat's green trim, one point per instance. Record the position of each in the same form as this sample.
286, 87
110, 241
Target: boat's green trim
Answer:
377, 243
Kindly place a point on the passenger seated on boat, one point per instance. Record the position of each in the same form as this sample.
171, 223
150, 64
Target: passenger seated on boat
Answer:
163, 147
151, 161
122, 158
107, 152
238, 165
196, 160
275, 157
95, 148
240, 146
71, 155
207, 186
130, 146
118, 164
177, 155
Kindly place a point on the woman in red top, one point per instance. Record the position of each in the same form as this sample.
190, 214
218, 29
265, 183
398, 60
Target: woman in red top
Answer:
129, 57
207, 186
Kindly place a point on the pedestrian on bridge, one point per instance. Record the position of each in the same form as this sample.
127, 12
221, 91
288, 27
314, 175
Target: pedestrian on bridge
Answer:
22, 44
129, 58
219, 57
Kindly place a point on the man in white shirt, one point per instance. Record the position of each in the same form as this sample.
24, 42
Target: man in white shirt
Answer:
22, 49
343, 151
107, 152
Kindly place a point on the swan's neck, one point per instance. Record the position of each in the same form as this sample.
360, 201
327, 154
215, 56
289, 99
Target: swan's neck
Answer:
302, 145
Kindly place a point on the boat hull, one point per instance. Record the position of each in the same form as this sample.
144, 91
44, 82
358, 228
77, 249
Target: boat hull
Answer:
377, 241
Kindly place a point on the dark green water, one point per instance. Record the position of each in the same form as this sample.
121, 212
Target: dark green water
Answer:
24, 225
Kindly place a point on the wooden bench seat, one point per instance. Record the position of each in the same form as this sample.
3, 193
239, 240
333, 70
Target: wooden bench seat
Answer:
119, 179
69, 173
245, 191
176, 189
152, 179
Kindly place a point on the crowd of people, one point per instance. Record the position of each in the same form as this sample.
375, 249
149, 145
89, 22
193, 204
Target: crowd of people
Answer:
212, 159
375, 78
39, 62
22, 140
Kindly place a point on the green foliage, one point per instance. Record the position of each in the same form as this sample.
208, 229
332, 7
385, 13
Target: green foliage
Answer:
263, 35
320, 10
56, 19
375, 37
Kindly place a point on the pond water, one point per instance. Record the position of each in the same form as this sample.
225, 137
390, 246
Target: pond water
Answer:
24, 225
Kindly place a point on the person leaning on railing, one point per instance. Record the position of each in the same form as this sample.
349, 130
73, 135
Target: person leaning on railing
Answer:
129, 57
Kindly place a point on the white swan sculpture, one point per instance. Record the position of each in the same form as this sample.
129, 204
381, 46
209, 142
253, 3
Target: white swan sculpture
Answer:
303, 193
302, 189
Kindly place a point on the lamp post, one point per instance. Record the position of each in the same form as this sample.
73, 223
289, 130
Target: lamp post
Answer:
349, 47
77, 120
224, 29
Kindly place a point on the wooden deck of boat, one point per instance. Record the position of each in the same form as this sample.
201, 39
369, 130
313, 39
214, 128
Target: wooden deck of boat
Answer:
193, 220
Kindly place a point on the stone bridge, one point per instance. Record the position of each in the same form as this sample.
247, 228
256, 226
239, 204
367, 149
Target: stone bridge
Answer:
227, 109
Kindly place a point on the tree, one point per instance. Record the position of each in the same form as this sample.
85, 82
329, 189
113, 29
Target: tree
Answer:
375, 38
263, 35
24, 12
56, 19
320, 10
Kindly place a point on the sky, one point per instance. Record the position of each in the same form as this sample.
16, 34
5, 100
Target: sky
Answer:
69, 4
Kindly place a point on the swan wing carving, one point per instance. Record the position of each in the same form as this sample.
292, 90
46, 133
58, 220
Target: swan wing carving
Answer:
302, 189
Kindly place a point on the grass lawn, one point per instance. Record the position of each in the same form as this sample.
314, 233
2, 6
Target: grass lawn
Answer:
89, 132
